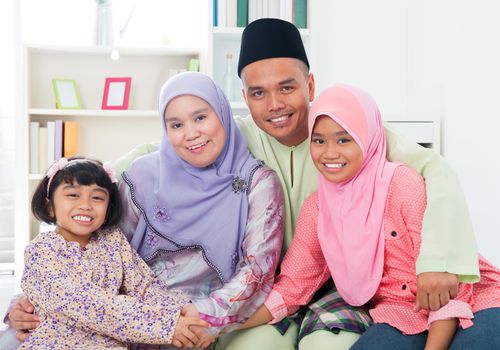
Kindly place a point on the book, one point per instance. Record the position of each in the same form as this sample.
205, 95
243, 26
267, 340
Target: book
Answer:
51, 142
300, 13
215, 14
221, 13
70, 139
58, 139
231, 9
273, 9
34, 141
252, 10
286, 10
42, 149
242, 13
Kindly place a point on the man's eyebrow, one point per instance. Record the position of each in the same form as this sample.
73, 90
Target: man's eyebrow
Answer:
283, 82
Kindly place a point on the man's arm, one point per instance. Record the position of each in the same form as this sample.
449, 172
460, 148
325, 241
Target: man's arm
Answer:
448, 252
123, 163
448, 243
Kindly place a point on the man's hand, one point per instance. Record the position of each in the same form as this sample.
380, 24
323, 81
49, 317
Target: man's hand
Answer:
22, 318
435, 289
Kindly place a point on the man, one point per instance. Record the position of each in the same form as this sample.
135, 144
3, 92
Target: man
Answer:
278, 87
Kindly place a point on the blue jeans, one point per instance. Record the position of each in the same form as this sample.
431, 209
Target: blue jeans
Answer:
483, 335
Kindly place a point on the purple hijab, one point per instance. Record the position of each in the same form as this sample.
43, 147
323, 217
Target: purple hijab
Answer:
185, 207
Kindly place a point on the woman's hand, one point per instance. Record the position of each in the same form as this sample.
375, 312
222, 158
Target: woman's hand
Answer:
204, 337
22, 318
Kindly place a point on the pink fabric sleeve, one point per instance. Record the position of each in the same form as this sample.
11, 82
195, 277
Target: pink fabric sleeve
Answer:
454, 309
304, 269
276, 307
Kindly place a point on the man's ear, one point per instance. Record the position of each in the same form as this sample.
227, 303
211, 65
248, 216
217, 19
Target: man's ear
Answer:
311, 86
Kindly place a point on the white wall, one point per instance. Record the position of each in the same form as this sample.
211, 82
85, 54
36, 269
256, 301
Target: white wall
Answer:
426, 59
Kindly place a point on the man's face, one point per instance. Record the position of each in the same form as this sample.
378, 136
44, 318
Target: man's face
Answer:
277, 92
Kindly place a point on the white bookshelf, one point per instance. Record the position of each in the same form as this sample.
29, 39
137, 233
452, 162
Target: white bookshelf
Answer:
102, 134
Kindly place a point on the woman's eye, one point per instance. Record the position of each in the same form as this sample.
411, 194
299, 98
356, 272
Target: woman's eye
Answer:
175, 125
318, 141
97, 198
72, 195
341, 141
200, 117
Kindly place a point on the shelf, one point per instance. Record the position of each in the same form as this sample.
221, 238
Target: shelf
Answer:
142, 51
109, 113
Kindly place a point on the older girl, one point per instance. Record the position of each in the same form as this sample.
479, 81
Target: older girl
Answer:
363, 228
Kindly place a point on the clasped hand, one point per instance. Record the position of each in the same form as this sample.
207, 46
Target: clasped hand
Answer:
191, 331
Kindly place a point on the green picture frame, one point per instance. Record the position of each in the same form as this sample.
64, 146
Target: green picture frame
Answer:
66, 92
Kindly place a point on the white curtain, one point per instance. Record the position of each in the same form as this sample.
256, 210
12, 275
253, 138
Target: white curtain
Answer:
7, 107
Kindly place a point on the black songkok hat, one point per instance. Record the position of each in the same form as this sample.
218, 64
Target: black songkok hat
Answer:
270, 38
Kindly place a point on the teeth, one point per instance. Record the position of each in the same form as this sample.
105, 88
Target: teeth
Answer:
279, 119
191, 148
82, 218
335, 165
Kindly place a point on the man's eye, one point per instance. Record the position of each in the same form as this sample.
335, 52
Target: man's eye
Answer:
286, 89
257, 94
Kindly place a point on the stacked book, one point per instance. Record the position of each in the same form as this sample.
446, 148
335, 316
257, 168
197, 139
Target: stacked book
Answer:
238, 13
50, 142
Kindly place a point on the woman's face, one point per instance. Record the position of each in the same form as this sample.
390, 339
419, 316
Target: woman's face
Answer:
194, 130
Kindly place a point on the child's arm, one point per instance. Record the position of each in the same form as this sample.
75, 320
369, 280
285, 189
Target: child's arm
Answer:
54, 287
261, 316
446, 221
303, 271
441, 334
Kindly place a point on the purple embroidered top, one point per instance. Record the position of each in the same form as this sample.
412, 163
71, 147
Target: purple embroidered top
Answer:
224, 305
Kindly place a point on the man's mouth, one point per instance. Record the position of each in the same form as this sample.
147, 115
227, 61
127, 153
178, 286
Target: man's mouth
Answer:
279, 119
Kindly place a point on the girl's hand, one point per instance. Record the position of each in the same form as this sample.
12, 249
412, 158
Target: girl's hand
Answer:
22, 318
183, 336
204, 337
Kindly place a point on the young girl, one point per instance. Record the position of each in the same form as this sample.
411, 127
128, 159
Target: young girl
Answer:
89, 288
363, 228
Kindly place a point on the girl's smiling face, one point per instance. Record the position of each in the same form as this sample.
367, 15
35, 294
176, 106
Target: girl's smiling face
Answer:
194, 130
79, 210
334, 152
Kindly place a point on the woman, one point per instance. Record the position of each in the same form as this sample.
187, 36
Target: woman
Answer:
201, 211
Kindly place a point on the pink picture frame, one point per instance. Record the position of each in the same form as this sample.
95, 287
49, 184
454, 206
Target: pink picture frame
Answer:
116, 93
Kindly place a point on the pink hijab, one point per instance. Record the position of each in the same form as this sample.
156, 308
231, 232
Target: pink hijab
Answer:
350, 223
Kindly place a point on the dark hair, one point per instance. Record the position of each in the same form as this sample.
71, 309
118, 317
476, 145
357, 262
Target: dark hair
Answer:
83, 173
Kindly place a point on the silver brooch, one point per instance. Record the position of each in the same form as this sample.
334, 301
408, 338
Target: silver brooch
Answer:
239, 185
